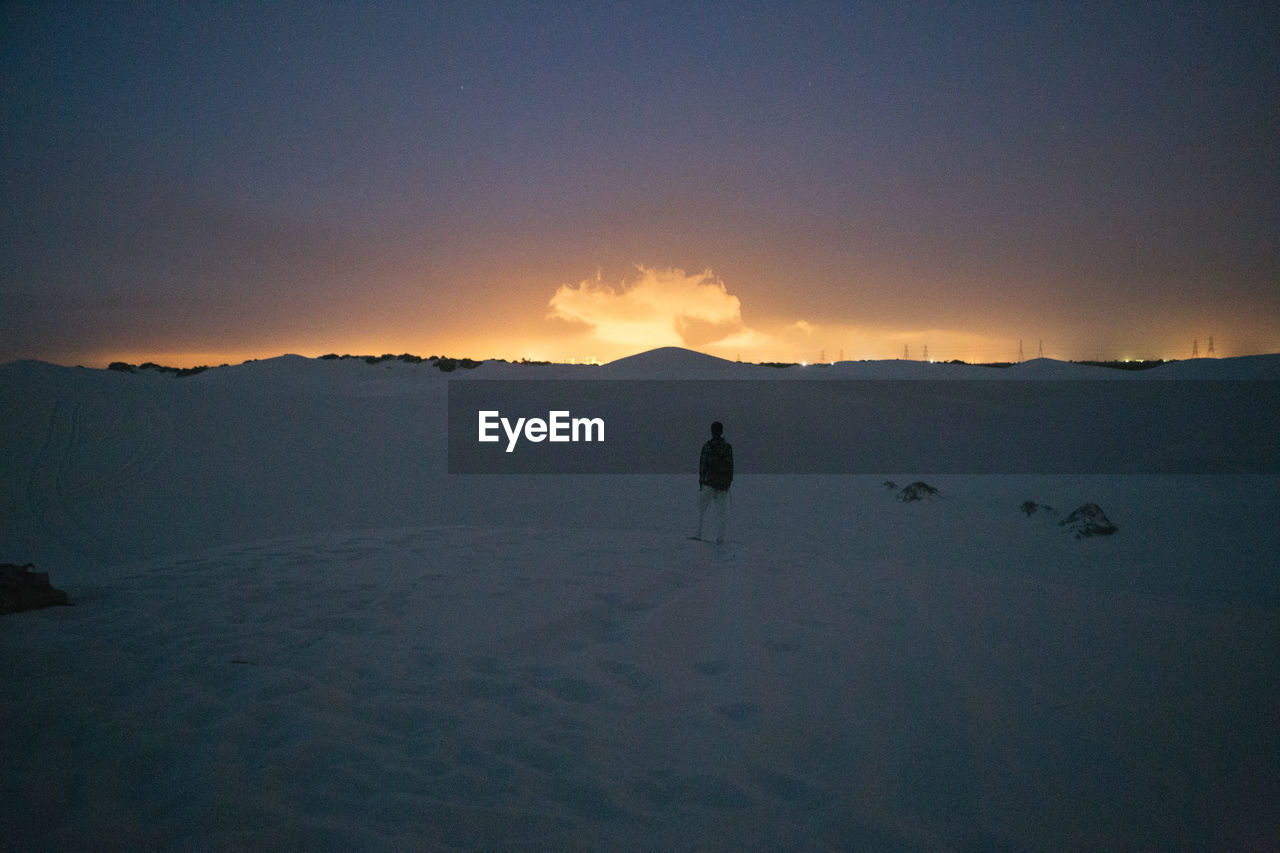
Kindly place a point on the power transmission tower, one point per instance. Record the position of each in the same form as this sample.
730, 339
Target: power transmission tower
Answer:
906, 354
1211, 346
1019, 350
926, 352
1195, 348
1041, 349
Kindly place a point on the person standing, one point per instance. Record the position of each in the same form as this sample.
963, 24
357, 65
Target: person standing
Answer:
715, 475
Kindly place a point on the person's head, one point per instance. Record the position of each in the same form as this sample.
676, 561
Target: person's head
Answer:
717, 428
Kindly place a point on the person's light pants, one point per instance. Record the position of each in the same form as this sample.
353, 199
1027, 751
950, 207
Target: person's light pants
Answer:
708, 496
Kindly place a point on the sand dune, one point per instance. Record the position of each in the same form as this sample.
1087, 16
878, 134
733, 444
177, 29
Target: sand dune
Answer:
293, 629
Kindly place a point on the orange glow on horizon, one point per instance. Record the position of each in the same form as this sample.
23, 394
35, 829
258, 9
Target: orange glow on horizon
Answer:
818, 344
868, 346
593, 322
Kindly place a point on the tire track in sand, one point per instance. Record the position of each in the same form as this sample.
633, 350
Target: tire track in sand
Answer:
93, 450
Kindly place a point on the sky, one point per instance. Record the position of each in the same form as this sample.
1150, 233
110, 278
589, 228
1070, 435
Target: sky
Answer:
202, 183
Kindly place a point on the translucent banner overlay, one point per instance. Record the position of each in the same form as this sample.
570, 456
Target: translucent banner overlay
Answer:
1140, 426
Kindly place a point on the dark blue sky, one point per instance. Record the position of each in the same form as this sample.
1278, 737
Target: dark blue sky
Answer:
233, 180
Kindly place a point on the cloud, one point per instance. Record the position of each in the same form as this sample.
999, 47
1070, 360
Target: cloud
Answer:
663, 307
669, 307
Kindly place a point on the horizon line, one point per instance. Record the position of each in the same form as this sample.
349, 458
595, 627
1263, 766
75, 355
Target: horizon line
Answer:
586, 361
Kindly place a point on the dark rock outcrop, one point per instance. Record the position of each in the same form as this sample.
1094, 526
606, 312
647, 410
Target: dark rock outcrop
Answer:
1088, 520
23, 589
917, 491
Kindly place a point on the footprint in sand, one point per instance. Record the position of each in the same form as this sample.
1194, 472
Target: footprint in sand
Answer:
540, 755
585, 797
575, 690
489, 666
789, 789
668, 788
633, 676
739, 711
567, 688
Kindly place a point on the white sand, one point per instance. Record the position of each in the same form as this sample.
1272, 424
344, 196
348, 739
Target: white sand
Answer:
292, 629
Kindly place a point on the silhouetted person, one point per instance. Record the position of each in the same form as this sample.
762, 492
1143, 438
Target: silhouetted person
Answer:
715, 475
